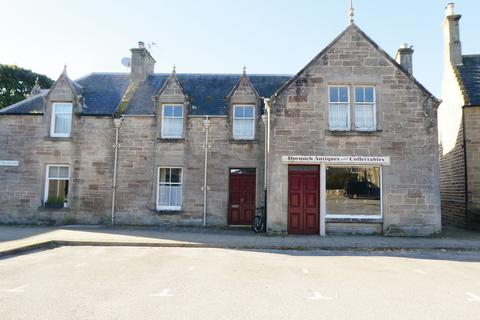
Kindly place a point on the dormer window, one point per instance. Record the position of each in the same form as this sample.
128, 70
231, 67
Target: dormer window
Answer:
172, 121
61, 119
244, 122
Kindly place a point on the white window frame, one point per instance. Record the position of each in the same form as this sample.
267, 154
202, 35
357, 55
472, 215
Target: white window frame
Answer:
353, 215
47, 179
355, 103
244, 118
164, 136
52, 123
169, 208
348, 103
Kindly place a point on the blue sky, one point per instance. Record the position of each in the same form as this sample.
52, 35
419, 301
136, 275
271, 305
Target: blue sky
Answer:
214, 36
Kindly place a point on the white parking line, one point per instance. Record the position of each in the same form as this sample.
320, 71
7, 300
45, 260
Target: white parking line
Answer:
472, 297
164, 293
318, 296
17, 289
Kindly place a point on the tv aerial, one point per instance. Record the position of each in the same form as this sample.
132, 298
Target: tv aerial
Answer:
126, 61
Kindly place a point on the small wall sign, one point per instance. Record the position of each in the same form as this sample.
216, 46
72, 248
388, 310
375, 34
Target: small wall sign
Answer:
337, 159
9, 163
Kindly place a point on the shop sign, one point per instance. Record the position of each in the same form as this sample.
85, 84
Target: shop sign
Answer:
337, 159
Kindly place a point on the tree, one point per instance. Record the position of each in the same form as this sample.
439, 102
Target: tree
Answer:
16, 83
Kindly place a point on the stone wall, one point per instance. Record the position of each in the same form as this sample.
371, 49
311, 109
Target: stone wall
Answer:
472, 146
406, 132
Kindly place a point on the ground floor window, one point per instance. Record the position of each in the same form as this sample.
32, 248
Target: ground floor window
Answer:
353, 191
56, 185
169, 191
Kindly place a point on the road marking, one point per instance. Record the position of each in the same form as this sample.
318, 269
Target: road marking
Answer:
304, 270
191, 268
83, 264
420, 271
164, 293
318, 296
472, 297
17, 289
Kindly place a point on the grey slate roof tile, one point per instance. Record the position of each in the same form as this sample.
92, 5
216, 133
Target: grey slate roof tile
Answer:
470, 75
102, 92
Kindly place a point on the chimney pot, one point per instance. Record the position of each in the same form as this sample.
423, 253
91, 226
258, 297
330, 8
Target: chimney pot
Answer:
141, 45
450, 9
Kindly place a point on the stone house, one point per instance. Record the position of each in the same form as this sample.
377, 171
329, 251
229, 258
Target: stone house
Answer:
459, 130
348, 144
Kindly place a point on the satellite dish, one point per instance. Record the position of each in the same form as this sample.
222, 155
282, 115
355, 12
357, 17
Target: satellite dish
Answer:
126, 62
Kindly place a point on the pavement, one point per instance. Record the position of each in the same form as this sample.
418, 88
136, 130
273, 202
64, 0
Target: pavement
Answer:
18, 239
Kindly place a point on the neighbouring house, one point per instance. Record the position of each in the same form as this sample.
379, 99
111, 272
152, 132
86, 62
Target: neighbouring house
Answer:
348, 144
459, 130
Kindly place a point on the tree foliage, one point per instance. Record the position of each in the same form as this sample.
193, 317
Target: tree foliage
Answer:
16, 83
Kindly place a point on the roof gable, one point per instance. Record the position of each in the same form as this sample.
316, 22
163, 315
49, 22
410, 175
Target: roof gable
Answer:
353, 27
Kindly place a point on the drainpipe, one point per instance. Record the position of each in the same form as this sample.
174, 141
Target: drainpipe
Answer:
206, 125
266, 121
117, 122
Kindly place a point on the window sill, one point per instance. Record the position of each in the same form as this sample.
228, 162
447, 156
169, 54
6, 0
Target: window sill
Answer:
171, 140
354, 220
243, 141
50, 138
45, 208
165, 212
352, 133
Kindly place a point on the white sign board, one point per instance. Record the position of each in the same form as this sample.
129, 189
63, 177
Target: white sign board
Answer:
336, 159
9, 163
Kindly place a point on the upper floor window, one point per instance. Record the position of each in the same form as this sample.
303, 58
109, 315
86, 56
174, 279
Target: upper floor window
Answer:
244, 122
365, 108
57, 185
169, 191
61, 119
339, 111
172, 121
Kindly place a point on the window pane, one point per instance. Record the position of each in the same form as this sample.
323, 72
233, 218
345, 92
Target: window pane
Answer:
62, 123
173, 128
57, 190
63, 172
365, 117
343, 94
359, 92
353, 191
249, 112
53, 172
333, 94
176, 196
176, 175
164, 175
168, 111
53, 189
243, 129
63, 108
178, 111
164, 196
338, 116
238, 112
369, 94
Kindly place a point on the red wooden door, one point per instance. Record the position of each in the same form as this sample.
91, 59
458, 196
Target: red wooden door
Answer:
303, 199
242, 197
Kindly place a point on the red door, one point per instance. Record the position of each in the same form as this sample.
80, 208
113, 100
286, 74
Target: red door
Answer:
242, 197
303, 199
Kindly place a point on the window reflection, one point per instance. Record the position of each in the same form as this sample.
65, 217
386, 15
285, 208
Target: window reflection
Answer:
353, 191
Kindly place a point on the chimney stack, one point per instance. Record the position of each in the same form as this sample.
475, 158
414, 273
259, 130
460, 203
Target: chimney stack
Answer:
404, 57
142, 64
451, 32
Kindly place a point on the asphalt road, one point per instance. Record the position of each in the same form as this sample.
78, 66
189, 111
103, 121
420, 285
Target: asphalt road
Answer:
188, 283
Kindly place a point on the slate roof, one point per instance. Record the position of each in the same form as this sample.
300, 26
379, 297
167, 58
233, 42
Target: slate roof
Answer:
102, 92
470, 75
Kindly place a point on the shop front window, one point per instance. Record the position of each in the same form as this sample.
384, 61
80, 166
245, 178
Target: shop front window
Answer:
353, 192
